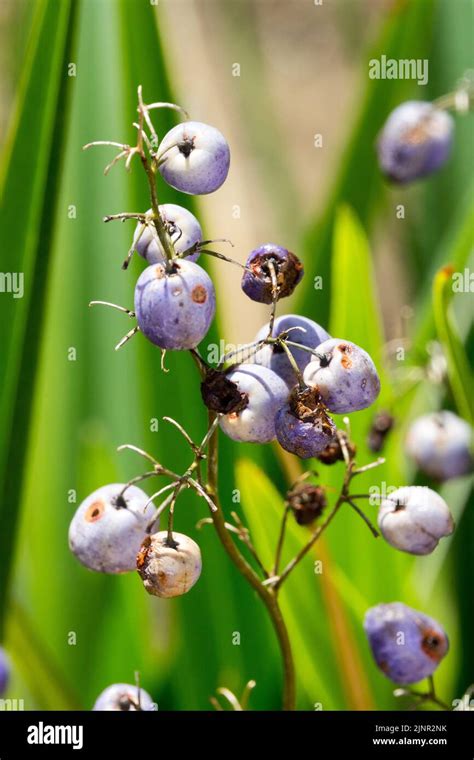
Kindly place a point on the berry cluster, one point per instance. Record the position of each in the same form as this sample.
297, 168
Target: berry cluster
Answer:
284, 387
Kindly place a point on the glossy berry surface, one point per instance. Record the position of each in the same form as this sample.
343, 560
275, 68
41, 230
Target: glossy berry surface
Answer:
195, 158
414, 518
257, 283
169, 570
4, 671
302, 426
123, 697
275, 358
441, 445
415, 141
107, 530
183, 229
345, 376
406, 644
264, 393
175, 309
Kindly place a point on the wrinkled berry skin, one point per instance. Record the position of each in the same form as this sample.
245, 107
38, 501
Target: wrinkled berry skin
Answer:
415, 141
414, 518
266, 393
196, 158
406, 644
257, 284
345, 376
105, 533
4, 672
302, 426
275, 358
440, 444
183, 229
307, 502
169, 571
175, 309
123, 697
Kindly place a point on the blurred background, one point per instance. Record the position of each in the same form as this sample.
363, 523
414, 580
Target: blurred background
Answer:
68, 400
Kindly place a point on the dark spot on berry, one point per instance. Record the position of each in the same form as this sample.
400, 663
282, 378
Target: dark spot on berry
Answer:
176, 320
181, 304
433, 644
199, 294
186, 146
383, 665
345, 349
95, 511
143, 553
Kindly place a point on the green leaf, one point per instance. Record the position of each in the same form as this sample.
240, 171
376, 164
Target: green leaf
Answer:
459, 372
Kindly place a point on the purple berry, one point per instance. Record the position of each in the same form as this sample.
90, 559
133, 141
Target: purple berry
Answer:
175, 308
275, 358
257, 283
303, 426
108, 529
123, 697
4, 671
169, 570
406, 644
344, 375
183, 229
441, 445
194, 158
415, 141
263, 393
414, 518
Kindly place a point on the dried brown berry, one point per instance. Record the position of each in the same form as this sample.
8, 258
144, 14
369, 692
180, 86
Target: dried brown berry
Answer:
307, 502
333, 451
381, 426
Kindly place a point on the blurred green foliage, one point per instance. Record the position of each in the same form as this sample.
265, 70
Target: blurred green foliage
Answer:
62, 419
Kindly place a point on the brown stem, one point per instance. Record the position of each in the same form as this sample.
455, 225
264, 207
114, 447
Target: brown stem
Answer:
267, 595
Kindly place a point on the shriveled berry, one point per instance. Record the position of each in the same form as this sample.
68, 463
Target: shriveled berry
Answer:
194, 158
441, 445
123, 697
257, 283
264, 393
303, 426
406, 644
4, 671
381, 426
175, 306
107, 529
166, 569
307, 502
344, 375
275, 357
414, 518
415, 141
183, 229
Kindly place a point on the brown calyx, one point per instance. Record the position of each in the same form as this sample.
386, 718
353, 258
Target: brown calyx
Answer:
221, 394
307, 502
287, 271
333, 451
307, 405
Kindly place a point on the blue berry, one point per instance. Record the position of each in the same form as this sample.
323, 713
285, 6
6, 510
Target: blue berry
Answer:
4, 671
415, 141
175, 307
194, 158
123, 697
169, 570
441, 445
406, 644
263, 393
275, 358
108, 529
303, 426
344, 375
414, 518
257, 283
183, 229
